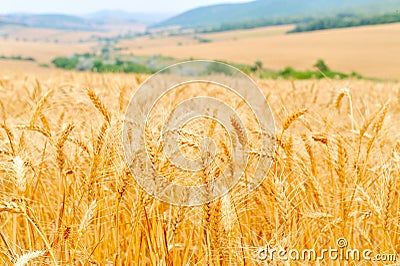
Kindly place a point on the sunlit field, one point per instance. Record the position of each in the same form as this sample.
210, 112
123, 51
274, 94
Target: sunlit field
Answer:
67, 195
369, 50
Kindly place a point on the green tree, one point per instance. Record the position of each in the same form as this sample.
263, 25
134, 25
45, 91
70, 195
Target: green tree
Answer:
258, 65
65, 63
321, 66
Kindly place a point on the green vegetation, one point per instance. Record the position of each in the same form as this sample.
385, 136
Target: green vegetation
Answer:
215, 68
342, 20
66, 63
203, 40
346, 20
83, 63
291, 73
17, 57
321, 71
119, 66
251, 24
44, 65
321, 66
110, 59
106, 62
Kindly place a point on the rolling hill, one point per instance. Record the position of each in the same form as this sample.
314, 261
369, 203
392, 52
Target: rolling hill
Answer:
122, 17
89, 22
48, 21
284, 10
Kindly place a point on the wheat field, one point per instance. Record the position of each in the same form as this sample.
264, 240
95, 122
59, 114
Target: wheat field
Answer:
67, 196
369, 50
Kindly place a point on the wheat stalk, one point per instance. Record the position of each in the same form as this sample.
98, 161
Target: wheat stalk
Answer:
20, 173
10, 137
13, 206
339, 97
39, 107
99, 105
293, 117
60, 144
322, 138
88, 217
240, 131
26, 258
388, 201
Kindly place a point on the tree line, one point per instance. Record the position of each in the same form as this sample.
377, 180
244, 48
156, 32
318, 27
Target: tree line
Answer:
345, 21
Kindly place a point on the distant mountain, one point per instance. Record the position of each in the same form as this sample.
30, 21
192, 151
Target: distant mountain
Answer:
275, 9
94, 21
123, 17
49, 21
111, 17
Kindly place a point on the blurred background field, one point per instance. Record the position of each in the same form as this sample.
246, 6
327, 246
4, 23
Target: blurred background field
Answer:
329, 70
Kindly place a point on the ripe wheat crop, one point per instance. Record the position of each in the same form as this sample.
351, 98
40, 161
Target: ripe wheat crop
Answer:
67, 196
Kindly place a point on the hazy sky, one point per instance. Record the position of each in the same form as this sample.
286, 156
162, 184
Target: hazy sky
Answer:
87, 6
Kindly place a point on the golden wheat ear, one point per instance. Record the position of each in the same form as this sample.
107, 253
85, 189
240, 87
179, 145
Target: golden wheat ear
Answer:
99, 105
28, 257
293, 117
